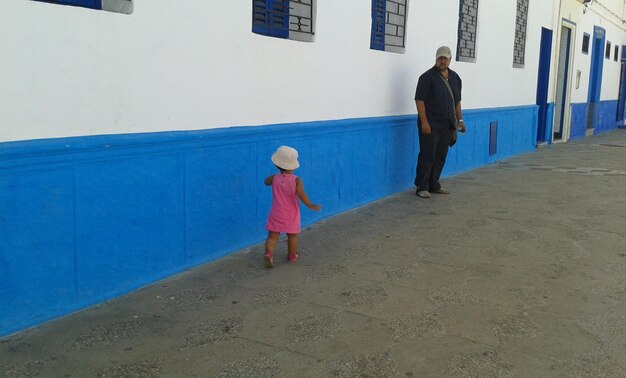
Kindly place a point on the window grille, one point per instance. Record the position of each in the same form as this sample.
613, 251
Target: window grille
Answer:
519, 47
607, 52
467, 31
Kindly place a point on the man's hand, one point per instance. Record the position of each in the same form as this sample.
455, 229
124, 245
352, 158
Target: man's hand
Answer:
461, 127
425, 128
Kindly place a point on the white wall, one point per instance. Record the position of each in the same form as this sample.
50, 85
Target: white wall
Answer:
196, 65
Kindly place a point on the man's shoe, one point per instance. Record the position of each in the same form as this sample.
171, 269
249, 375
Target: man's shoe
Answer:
441, 191
422, 193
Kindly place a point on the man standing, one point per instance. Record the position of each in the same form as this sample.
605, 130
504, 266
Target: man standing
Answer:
438, 100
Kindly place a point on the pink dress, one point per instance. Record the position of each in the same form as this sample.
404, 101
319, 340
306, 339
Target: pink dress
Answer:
285, 212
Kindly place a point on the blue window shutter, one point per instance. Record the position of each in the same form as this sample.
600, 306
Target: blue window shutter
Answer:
379, 9
271, 18
93, 4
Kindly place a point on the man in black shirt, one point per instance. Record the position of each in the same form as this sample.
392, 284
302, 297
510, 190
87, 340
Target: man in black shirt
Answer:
438, 100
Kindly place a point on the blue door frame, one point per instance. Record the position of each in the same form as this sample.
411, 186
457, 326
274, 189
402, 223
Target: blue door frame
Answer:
564, 58
622, 91
543, 79
595, 74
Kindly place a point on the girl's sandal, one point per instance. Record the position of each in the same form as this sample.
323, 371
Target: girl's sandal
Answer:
292, 258
269, 260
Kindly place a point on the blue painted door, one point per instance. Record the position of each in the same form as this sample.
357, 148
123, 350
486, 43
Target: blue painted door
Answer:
622, 91
595, 75
543, 78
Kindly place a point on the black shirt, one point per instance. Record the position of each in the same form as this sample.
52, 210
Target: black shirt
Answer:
432, 89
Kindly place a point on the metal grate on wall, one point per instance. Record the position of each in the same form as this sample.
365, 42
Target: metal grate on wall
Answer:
301, 16
467, 31
521, 21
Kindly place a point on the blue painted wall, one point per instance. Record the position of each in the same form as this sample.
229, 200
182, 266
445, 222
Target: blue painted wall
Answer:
604, 118
517, 133
83, 220
578, 124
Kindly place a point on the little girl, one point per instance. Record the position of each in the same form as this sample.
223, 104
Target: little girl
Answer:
285, 213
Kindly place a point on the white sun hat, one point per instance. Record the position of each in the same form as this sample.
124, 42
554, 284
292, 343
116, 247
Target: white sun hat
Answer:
286, 158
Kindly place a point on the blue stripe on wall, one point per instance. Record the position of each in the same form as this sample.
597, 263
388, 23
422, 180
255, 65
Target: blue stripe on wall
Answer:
85, 219
604, 120
517, 131
578, 124
606, 116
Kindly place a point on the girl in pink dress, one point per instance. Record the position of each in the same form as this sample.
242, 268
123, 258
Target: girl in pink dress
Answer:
287, 191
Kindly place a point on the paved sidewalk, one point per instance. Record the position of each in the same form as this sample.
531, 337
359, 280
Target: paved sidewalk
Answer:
520, 272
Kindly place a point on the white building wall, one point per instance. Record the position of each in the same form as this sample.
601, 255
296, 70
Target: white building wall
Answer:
582, 62
196, 65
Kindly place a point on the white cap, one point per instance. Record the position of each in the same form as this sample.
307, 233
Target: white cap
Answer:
444, 51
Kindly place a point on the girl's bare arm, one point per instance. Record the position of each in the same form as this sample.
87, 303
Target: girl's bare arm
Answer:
304, 198
268, 180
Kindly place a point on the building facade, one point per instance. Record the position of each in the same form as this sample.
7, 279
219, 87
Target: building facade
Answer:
135, 134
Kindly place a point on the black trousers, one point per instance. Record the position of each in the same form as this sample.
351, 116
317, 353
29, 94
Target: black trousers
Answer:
431, 158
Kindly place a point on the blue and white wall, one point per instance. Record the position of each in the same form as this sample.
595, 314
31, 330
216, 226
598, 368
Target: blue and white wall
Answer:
134, 146
608, 15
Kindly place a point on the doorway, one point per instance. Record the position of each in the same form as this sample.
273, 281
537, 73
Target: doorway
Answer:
562, 112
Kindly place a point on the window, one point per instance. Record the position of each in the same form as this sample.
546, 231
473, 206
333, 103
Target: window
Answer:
388, 25
117, 6
468, 25
289, 19
585, 43
616, 54
607, 52
519, 47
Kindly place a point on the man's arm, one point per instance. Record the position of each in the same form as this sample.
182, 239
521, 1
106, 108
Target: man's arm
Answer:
459, 116
421, 112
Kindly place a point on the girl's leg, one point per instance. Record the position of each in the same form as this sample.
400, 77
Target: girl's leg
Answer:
270, 244
292, 247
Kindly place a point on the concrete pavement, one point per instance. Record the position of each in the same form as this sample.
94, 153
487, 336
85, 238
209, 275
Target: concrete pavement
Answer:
520, 272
